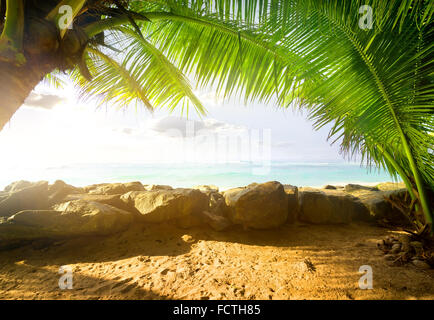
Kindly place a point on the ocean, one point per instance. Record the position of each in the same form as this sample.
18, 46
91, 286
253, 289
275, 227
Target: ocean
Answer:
224, 176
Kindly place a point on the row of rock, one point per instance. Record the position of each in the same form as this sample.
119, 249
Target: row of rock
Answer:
402, 249
34, 210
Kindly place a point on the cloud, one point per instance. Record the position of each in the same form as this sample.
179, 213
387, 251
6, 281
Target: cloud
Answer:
181, 127
44, 101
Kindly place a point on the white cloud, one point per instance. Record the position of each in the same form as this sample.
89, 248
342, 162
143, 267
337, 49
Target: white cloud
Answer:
44, 101
181, 127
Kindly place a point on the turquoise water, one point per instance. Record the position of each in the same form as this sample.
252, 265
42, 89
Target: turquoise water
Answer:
188, 175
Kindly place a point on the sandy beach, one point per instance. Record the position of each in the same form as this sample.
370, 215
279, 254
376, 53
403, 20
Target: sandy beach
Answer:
162, 262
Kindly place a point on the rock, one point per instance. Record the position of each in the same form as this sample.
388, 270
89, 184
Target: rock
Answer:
381, 245
134, 186
33, 197
293, 206
329, 187
405, 243
417, 246
390, 186
59, 190
396, 248
72, 218
259, 206
378, 206
110, 199
154, 187
18, 185
356, 187
217, 205
187, 238
208, 189
421, 264
95, 217
114, 188
218, 223
390, 257
329, 206
182, 206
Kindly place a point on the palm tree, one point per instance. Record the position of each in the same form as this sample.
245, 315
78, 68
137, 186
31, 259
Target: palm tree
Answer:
374, 85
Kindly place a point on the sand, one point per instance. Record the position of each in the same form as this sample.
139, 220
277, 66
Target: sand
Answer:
163, 262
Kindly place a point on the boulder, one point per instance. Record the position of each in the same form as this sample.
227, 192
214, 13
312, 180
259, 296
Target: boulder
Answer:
108, 189
208, 189
134, 186
34, 224
94, 217
91, 187
293, 207
180, 206
72, 218
217, 205
215, 221
357, 187
329, 206
329, 187
258, 206
379, 208
18, 185
110, 199
59, 190
390, 186
114, 188
31, 197
154, 187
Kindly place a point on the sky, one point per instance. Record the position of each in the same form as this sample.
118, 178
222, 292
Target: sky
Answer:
54, 128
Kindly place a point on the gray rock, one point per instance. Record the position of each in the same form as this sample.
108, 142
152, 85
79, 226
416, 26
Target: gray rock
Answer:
114, 188
293, 206
73, 218
380, 208
329, 187
390, 257
356, 187
182, 206
329, 206
396, 248
18, 185
421, 264
33, 197
390, 186
154, 187
259, 206
217, 204
59, 190
110, 199
217, 222
208, 189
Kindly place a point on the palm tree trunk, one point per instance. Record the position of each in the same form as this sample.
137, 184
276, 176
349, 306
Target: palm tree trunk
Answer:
16, 83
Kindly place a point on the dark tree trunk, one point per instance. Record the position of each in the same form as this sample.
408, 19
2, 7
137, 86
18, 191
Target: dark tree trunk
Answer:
16, 83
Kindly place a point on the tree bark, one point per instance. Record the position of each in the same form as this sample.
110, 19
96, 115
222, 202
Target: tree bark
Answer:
16, 83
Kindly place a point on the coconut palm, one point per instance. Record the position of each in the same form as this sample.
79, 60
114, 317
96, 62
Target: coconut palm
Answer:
374, 85
371, 80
